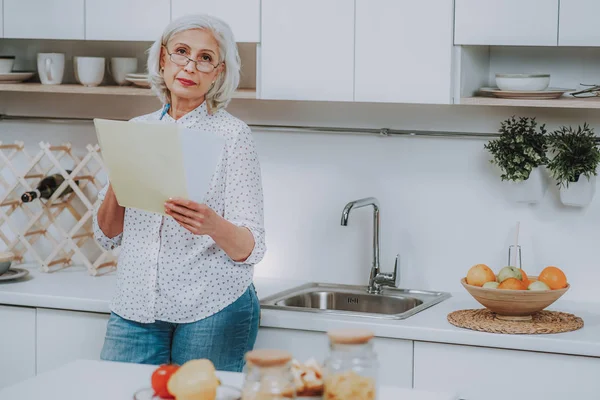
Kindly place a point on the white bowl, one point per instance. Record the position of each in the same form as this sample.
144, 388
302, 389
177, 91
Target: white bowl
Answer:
526, 82
6, 64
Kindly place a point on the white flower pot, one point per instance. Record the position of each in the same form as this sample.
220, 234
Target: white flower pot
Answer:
529, 191
580, 193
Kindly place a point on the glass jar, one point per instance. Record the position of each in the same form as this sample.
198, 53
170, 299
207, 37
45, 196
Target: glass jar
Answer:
268, 376
350, 371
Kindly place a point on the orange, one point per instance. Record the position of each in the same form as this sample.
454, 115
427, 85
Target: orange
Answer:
480, 274
512, 284
553, 277
525, 279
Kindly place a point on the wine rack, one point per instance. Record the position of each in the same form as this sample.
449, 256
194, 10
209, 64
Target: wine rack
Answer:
56, 232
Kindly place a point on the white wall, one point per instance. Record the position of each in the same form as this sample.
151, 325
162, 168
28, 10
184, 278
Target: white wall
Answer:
442, 206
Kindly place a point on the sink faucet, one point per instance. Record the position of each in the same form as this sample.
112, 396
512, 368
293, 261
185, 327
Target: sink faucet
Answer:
377, 279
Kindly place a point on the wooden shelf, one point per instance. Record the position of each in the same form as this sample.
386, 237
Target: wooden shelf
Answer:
105, 90
563, 102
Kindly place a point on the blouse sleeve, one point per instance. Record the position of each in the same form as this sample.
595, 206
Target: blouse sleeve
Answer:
244, 193
106, 242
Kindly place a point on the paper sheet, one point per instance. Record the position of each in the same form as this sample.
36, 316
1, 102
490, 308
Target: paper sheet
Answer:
150, 161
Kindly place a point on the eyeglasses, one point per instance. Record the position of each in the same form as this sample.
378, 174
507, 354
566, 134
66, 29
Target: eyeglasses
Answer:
182, 61
591, 91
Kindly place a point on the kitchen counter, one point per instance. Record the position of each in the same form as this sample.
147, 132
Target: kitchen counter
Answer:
103, 380
74, 289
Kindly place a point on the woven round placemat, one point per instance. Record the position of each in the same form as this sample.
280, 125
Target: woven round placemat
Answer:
542, 322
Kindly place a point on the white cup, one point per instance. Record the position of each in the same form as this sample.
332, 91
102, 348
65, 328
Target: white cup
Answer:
51, 68
6, 64
89, 71
119, 67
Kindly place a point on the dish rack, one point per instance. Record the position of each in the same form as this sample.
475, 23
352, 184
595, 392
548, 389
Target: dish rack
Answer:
55, 233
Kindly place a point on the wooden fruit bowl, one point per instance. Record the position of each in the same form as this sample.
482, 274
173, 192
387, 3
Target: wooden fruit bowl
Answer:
514, 304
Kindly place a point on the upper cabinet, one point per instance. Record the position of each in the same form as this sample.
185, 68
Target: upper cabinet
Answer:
35, 19
142, 20
242, 15
307, 50
396, 58
1, 20
579, 23
506, 22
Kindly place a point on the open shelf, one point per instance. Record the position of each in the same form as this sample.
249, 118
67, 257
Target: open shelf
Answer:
563, 102
105, 90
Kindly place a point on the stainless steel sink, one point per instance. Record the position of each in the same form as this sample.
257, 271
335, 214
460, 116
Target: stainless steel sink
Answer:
392, 303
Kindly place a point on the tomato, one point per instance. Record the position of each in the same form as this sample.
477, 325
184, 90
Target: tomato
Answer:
160, 377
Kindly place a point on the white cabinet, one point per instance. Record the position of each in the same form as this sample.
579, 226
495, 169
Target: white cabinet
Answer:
307, 50
505, 22
65, 336
579, 23
17, 349
395, 355
1, 19
478, 373
142, 20
243, 16
403, 51
35, 19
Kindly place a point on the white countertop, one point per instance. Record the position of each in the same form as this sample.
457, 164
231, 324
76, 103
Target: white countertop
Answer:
74, 289
103, 380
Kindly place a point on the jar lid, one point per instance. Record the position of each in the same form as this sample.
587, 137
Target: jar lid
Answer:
7, 256
268, 357
350, 336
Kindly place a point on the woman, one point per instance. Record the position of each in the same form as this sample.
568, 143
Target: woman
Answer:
184, 283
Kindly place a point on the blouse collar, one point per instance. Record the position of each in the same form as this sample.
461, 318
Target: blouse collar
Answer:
199, 112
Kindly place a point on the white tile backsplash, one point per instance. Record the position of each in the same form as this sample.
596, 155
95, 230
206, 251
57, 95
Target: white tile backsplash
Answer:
442, 205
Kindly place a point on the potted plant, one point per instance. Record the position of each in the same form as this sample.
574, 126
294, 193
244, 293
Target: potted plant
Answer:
575, 159
519, 152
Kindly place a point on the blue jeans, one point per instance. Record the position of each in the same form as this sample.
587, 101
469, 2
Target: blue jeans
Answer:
224, 338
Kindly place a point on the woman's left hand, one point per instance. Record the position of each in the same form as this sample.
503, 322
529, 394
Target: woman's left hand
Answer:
197, 218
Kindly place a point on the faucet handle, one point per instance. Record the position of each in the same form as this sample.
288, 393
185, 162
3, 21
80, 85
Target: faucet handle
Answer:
388, 279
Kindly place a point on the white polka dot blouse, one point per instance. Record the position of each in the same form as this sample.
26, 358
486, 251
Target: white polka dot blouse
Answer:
165, 272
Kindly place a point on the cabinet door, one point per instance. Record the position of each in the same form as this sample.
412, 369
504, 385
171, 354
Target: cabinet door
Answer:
34, 19
506, 22
243, 16
393, 63
478, 373
65, 336
142, 20
1, 19
307, 50
579, 23
395, 356
17, 352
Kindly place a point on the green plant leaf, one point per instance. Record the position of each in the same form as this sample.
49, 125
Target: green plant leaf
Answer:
574, 153
521, 147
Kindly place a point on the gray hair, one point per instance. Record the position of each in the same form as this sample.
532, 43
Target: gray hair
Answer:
220, 94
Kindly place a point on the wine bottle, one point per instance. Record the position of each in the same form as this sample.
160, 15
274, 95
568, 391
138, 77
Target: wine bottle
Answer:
46, 188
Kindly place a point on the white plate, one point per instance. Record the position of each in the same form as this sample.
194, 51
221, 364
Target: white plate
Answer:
549, 93
15, 77
137, 76
14, 273
224, 392
139, 82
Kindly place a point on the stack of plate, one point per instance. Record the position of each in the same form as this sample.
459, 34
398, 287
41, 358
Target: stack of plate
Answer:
138, 79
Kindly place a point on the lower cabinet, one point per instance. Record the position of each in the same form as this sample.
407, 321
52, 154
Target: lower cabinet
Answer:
480, 373
17, 348
65, 336
395, 355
